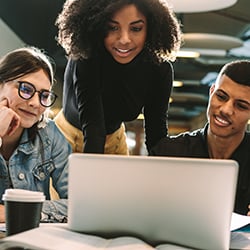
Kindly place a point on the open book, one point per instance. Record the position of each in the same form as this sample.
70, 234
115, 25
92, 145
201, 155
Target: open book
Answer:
54, 237
57, 236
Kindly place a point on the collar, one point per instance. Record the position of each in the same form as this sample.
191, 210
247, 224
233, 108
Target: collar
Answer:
27, 146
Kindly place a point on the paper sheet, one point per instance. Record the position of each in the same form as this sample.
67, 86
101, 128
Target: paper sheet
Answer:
239, 221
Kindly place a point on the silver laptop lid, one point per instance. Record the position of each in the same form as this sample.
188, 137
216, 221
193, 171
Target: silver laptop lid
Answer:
187, 201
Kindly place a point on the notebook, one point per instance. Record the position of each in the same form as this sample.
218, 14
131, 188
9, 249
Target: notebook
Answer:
185, 201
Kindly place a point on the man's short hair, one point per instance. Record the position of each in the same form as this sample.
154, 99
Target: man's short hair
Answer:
238, 71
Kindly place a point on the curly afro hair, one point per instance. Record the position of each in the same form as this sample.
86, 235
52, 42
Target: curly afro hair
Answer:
82, 27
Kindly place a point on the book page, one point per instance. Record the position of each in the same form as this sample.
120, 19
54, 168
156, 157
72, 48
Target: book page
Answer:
128, 243
171, 247
54, 238
239, 221
59, 237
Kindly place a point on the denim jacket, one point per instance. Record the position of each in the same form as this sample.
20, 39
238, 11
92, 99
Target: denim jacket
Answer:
33, 163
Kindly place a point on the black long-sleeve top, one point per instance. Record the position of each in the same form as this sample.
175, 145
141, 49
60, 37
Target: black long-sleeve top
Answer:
100, 93
194, 144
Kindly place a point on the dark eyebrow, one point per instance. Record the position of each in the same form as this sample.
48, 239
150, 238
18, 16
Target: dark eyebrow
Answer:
20, 81
132, 23
243, 101
138, 21
239, 100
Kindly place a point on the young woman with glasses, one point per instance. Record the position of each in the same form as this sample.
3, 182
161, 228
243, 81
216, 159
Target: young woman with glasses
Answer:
119, 65
33, 151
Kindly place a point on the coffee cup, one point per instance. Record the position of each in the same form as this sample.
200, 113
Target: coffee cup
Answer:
22, 210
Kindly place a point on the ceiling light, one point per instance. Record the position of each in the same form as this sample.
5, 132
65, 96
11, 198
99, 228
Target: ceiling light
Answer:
188, 54
211, 41
191, 6
208, 52
177, 83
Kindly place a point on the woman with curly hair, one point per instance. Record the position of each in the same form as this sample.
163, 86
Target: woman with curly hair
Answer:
119, 65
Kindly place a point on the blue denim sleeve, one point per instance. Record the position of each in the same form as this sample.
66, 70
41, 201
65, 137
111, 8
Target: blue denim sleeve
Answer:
55, 210
59, 150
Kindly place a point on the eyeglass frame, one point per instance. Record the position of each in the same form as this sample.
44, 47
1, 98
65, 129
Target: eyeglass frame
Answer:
39, 93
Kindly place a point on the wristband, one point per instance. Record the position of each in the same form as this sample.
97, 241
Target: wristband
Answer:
1, 141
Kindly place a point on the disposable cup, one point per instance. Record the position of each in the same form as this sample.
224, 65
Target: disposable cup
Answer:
22, 210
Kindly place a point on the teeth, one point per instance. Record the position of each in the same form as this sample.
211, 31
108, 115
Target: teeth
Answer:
221, 120
123, 50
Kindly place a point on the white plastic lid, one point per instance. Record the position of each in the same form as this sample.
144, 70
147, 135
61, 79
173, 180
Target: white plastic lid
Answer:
23, 195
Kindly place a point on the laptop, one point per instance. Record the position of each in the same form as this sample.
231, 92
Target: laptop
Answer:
185, 201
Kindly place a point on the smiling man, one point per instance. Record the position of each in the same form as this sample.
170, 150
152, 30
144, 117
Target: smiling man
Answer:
225, 135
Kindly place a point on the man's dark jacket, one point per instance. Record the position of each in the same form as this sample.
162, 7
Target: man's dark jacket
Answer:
194, 144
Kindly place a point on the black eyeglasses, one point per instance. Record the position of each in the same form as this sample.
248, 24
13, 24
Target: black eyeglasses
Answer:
27, 90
